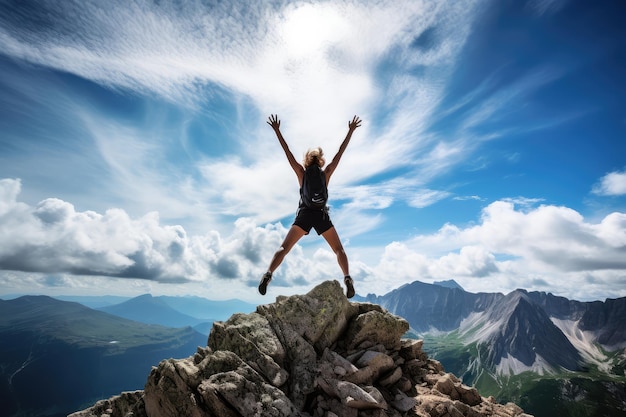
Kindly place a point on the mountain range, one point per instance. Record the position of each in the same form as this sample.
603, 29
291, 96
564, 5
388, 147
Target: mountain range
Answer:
551, 355
309, 355
57, 356
196, 312
509, 345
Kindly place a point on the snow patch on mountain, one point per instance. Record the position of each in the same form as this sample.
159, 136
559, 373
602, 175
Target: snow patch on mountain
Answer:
584, 342
477, 328
510, 365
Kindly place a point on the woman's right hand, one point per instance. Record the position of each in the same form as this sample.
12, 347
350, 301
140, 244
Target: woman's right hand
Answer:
356, 122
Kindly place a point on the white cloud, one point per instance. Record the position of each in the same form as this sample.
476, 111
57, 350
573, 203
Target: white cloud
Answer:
315, 64
516, 248
9, 190
425, 198
612, 184
54, 239
547, 248
471, 261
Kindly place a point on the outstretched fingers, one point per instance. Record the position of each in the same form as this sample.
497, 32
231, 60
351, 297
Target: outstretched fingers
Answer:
273, 121
356, 122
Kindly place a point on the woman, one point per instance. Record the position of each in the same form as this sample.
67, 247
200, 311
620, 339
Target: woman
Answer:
307, 218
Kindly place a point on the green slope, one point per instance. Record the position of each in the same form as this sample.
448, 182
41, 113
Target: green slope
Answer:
79, 355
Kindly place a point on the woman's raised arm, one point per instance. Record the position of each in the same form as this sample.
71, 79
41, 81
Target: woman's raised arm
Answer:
352, 125
275, 124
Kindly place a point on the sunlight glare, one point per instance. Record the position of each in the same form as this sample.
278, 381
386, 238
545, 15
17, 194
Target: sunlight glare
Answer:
310, 28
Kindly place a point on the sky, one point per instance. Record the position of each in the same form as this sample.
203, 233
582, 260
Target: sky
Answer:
135, 156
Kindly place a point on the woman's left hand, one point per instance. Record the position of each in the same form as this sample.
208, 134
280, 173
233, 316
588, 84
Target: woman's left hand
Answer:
274, 122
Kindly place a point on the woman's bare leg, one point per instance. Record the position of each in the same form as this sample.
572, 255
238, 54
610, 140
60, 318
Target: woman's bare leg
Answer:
342, 259
293, 236
332, 238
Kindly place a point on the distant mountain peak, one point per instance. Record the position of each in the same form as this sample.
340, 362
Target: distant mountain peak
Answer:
515, 301
518, 335
151, 310
531, 330
146, 296
450, 283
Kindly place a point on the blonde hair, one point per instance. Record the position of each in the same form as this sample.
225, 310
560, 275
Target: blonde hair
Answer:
314, 156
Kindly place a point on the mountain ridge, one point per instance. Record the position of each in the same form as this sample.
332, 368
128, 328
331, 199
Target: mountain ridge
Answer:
424, 305
76, 353
551, 355
523, 337
151, 310
430, 307
311, 355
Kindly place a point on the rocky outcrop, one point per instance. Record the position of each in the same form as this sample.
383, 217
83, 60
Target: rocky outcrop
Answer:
313, 355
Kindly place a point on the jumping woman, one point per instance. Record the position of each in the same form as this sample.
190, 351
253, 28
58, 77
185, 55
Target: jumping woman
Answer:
307, 216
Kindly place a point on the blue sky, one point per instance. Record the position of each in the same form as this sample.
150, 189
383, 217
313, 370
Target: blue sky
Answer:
135, 155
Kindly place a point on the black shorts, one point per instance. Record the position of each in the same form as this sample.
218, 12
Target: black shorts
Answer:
307, 218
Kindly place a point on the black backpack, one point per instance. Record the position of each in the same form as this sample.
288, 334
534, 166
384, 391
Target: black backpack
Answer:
314, 192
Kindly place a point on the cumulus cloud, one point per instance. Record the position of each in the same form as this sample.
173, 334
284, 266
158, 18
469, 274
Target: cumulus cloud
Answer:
612, 184
552, 235
517, 246
53, 238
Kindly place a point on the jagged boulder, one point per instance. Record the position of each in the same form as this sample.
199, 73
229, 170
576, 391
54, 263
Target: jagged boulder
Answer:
313, 355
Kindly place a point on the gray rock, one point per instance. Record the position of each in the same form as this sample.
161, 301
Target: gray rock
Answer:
251, 337
125, 404
248, 396
403, 403
383, 327
312, 355
339, 361
320, 316
391, 378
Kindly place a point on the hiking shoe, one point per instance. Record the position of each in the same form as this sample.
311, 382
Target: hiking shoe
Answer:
267, 277
349, 286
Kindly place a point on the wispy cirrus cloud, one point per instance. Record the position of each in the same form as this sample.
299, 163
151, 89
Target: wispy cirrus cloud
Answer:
315, 64
545, 7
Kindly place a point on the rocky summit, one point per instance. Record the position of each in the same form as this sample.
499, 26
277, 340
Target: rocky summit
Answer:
313, 355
